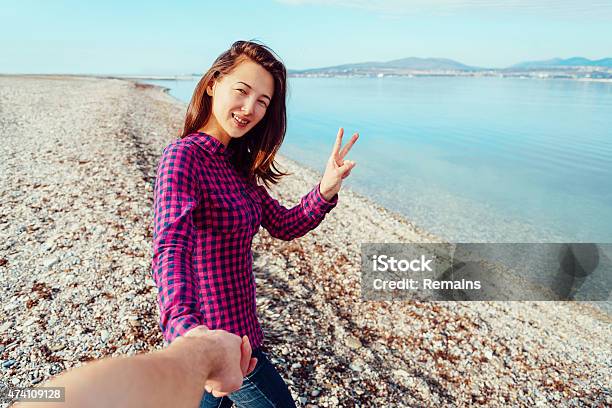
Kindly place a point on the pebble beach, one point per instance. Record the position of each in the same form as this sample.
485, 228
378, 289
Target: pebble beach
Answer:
78, 162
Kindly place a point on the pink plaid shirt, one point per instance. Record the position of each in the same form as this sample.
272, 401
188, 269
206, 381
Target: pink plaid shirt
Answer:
205, 217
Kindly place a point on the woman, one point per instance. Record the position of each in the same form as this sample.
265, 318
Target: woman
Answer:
210, 201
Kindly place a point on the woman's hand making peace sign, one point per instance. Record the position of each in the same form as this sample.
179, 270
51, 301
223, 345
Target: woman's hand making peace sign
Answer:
337, 168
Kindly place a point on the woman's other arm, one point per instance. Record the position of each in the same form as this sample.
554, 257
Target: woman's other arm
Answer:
176, 196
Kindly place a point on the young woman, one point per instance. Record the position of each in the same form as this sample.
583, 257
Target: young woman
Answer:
211, 199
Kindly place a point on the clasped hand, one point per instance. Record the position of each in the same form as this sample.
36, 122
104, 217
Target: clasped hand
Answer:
228, 359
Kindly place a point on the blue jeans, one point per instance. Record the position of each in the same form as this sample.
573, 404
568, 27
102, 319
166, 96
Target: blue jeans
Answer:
263, 388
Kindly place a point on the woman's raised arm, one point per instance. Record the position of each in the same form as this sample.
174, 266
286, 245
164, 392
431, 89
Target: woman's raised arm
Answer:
287, 224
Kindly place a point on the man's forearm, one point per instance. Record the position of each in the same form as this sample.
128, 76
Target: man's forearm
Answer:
160, 379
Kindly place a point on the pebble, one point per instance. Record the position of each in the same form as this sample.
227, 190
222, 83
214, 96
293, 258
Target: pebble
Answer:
11, 306
353, 342
47, 246
401, 373
57, 347
6, 326
104, 336
49, 262
135, 323
8, 363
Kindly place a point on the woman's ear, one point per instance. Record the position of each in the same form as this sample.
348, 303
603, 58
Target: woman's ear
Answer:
210, 88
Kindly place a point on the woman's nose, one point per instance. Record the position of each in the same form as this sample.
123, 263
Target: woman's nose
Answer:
248, 107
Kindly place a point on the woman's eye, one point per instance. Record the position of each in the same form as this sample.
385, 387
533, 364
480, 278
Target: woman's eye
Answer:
242, 91
263, 104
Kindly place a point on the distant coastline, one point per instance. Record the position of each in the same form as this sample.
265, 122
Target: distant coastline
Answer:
538, 75
576, 68
571, 68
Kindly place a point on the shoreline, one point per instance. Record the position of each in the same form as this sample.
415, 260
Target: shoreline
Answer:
80, 157
136, 78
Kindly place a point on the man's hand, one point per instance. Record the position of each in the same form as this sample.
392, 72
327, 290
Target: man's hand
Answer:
176, 376
228, 359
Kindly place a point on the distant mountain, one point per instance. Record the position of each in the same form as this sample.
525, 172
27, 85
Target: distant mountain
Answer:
569, 62
444, 66
410, 63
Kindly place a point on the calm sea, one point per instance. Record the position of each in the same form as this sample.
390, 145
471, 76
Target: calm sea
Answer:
469, 159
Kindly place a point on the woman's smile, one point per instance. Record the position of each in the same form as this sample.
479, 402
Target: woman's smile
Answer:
240, 121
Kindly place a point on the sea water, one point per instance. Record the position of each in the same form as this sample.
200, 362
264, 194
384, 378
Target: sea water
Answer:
469, 159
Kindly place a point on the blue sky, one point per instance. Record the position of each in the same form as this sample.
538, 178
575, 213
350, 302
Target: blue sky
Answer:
154, 37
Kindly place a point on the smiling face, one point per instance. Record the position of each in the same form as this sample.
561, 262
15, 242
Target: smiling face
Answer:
239, 101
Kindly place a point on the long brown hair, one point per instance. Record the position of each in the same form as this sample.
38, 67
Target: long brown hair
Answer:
255, 151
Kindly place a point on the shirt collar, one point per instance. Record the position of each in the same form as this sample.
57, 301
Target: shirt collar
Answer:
210, 144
